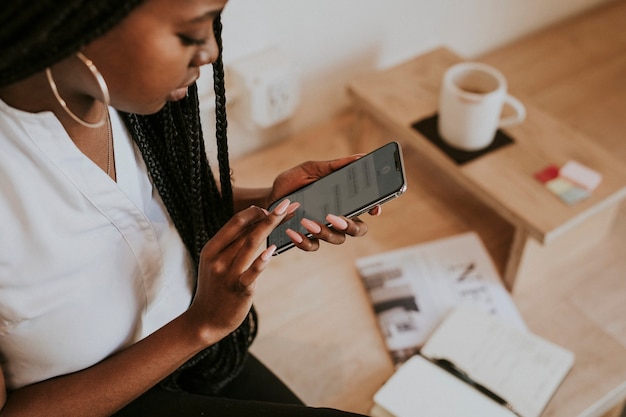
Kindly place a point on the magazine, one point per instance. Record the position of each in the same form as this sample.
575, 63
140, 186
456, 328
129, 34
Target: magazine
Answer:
412, 289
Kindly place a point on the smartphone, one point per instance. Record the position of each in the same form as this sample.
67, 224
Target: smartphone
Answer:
352, 190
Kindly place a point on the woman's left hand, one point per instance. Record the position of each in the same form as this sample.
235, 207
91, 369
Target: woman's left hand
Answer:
307, 173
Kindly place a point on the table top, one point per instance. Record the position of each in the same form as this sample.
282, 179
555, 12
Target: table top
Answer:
503, 178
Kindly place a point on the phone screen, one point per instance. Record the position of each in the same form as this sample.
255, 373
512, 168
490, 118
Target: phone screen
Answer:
349, 191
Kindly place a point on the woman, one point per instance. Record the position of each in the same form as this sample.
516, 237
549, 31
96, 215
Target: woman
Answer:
126, 273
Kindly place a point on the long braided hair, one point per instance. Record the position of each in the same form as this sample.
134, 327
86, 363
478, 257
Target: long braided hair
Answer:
173, 148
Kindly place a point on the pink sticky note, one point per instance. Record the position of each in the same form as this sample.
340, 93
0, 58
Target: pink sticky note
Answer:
581, 175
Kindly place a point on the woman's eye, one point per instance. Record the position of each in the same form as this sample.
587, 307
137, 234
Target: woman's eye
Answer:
191, 41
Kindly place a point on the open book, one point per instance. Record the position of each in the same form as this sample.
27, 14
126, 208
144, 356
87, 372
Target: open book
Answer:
474, 364
413, 288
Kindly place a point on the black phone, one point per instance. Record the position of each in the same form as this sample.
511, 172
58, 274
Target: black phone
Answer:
352, 190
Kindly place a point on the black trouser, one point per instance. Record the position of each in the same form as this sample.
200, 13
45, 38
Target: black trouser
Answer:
256, 392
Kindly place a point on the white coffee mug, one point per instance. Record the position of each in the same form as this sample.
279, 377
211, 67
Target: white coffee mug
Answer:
470, 106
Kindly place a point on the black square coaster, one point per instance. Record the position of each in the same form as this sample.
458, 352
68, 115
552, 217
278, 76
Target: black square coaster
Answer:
428, 128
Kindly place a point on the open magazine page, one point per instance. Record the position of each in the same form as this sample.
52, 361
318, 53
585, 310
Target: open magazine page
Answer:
413, 288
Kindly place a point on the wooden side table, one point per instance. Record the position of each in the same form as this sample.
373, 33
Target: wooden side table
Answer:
545, 226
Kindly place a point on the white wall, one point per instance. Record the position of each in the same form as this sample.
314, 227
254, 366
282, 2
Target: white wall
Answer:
332, 40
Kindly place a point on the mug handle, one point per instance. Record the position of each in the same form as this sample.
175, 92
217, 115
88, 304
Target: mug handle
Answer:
520, 112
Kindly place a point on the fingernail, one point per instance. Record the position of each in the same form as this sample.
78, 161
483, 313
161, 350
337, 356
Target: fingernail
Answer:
293, 207
282, 207
267, 253
337, 222
311, 226
295, 236
264, 211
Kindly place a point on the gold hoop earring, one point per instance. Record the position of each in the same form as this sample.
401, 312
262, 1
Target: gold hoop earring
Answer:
101, 83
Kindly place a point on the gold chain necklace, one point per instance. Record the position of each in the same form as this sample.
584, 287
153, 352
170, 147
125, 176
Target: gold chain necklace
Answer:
109, 142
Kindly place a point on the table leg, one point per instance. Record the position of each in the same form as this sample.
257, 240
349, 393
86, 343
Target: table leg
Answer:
528, 258
514, 260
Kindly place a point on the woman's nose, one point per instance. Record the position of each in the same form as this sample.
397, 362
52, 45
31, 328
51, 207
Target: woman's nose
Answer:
206, 54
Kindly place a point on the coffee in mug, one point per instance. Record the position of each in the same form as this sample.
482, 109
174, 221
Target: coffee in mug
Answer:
470, 106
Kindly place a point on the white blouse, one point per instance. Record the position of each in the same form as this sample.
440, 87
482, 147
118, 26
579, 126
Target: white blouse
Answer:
88, 266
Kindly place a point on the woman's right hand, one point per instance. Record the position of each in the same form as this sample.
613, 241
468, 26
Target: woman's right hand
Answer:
230, 263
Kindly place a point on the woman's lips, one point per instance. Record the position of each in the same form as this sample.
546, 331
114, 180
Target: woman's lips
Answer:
178, 94
181, 92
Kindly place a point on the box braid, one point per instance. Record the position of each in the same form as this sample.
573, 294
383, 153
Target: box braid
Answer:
220, 118
172, 146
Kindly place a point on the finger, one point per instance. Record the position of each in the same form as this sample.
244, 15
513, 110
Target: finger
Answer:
233, 229
323, 232
338, 223
245, 234
315, 170
335, 164
256, 235
291, 210
247, 280
376, 211
300, 241
357, 227
353, 227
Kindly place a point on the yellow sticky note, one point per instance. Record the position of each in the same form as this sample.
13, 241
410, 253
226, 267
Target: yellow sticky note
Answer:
559, 185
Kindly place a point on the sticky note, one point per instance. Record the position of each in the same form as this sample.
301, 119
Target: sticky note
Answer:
571, 183
566, 190
559, 185
574, 195
581, 175
548, 173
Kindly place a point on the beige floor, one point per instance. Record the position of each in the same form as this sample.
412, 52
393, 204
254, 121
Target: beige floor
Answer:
305, 340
